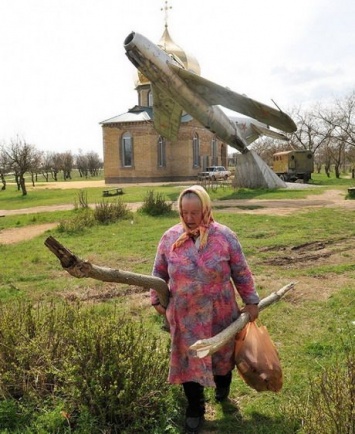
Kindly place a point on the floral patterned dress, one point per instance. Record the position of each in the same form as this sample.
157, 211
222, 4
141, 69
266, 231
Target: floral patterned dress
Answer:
202, 298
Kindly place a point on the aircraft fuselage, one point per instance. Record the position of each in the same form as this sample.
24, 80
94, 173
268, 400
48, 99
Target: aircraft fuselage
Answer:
154, 63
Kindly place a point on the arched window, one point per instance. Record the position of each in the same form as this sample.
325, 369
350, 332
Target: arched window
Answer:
127, 150
214, 151
161, 152
150, 99
196, 150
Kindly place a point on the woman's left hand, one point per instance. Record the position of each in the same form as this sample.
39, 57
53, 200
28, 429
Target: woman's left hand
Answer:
252, 310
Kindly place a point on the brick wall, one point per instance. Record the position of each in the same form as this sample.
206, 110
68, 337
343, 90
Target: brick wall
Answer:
179, 156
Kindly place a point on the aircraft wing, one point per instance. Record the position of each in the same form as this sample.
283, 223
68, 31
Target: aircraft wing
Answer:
215, 94
262, 131
167, 114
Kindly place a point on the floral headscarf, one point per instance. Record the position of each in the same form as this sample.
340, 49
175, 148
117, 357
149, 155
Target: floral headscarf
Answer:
207, 217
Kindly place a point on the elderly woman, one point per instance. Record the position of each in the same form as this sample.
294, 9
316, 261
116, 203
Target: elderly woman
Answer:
200, 260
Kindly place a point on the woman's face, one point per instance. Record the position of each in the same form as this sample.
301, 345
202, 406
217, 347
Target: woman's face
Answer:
191, 211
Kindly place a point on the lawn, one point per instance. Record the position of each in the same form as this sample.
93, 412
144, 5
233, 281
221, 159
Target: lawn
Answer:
312, 327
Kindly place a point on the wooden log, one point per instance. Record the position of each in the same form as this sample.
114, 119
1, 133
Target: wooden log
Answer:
79, 268
206, 347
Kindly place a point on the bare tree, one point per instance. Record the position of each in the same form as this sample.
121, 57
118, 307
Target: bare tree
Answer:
22, 158
322, 158
350, 158
94, 163
339, 120
4, 166
62, 161
67, 164
36, 165
47, 165
311, 133
57, 165
82, 165
88, 164
341, 116
333, 154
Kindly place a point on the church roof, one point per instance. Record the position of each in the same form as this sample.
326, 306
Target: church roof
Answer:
133, 115
139, 114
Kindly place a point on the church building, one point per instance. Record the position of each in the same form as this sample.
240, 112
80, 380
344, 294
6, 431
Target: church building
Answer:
133, 150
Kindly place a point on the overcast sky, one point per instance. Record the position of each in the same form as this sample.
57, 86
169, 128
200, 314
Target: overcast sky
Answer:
63, 69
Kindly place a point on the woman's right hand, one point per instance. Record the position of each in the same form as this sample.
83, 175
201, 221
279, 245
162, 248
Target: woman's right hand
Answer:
160, 309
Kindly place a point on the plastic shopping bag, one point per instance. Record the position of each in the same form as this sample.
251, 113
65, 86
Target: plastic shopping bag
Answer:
257, 360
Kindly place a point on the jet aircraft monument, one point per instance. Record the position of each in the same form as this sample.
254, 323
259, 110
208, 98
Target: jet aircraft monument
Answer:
176, 89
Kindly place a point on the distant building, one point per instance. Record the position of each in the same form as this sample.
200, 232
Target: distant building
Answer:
135, 152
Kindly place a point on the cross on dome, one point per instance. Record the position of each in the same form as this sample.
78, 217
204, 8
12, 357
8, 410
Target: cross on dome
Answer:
166, 9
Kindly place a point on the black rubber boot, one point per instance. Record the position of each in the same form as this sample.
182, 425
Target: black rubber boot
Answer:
223, 383
195, 410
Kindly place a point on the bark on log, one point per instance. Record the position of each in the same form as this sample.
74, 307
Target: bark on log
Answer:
79, 268
206, 347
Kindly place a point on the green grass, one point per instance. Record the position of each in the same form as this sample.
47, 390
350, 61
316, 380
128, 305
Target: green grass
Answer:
43, 195
75, 176
22, 220
321, 178
309, 331
12, 199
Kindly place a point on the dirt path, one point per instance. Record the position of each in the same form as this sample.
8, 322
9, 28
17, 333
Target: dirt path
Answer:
15, 235
329, 198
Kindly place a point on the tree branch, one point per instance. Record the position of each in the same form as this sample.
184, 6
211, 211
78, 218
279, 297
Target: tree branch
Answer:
206, 347
76, 267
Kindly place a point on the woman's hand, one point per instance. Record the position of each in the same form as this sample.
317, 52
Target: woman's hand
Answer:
252, 310
160, 309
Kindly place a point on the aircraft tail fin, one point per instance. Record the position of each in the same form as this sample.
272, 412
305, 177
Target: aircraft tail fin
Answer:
262, 131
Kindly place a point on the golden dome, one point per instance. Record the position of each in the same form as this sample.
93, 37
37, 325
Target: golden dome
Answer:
169, 46
142, 79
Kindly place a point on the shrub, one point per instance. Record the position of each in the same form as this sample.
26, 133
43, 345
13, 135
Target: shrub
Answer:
81, 367
82, 200
109, 212
82, 220
154, 204
104, 213
330, 404
8, 414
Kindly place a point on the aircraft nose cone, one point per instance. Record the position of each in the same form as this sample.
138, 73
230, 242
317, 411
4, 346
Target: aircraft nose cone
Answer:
129, 39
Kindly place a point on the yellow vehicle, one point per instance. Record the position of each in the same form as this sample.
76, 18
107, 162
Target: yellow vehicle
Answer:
293, 165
